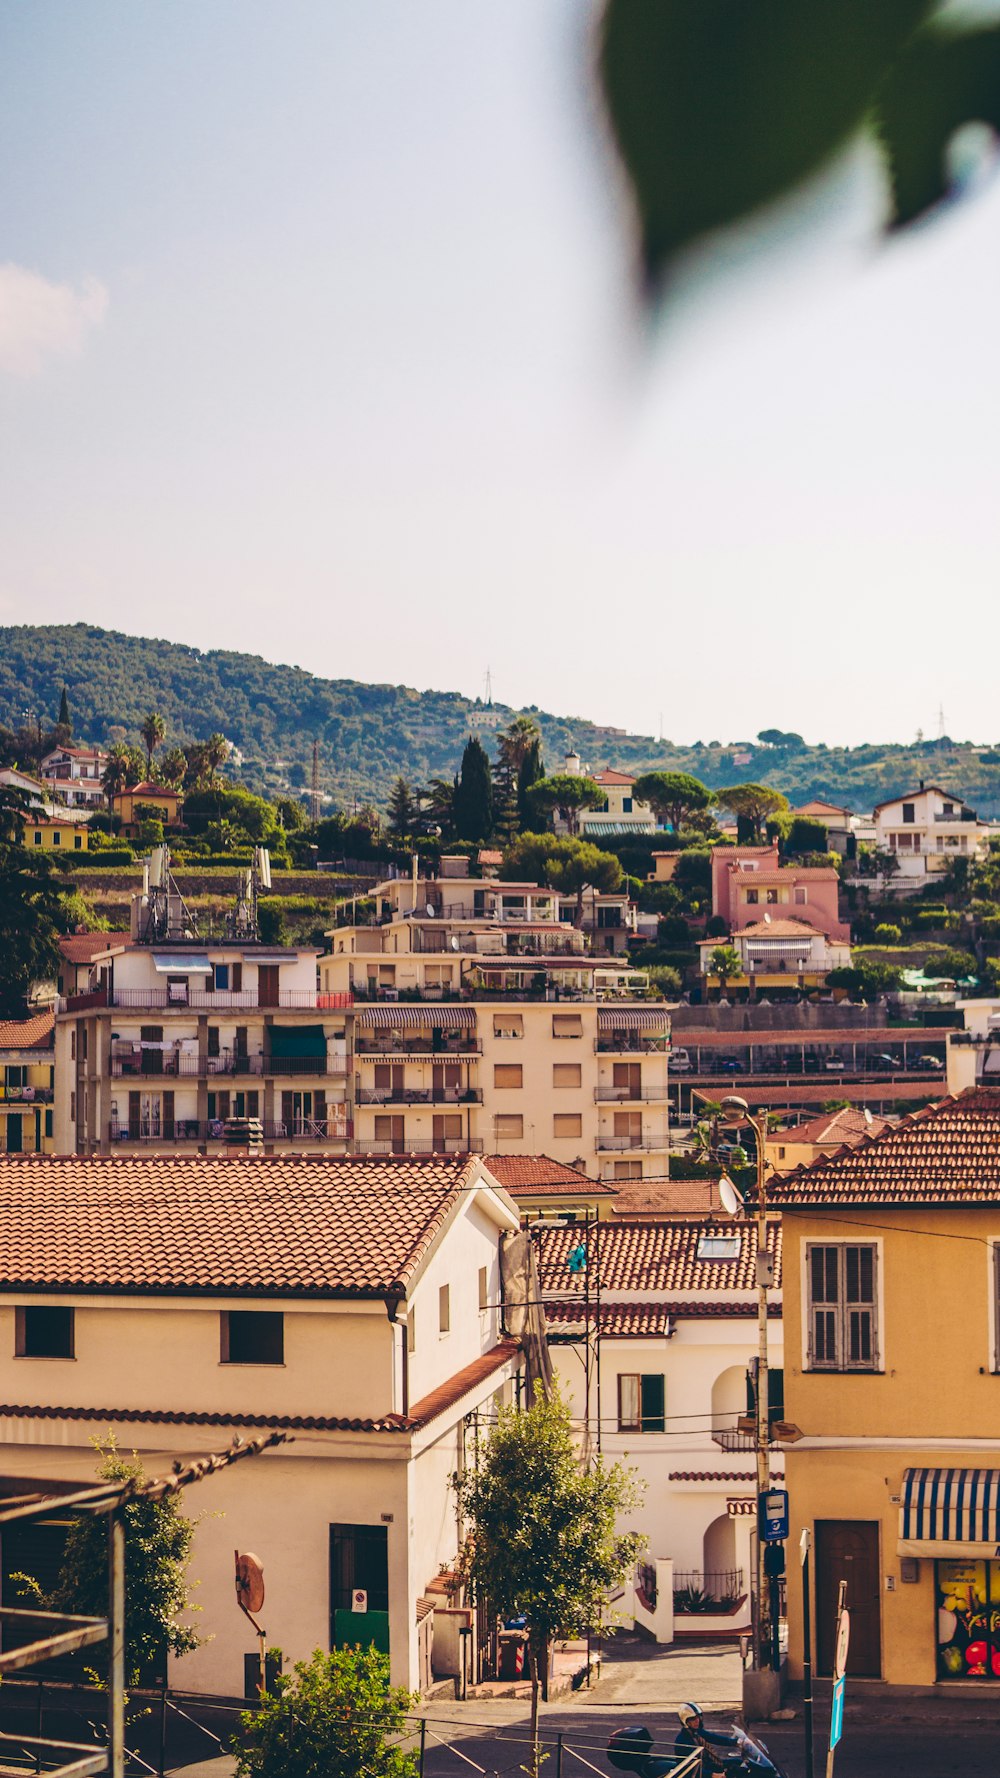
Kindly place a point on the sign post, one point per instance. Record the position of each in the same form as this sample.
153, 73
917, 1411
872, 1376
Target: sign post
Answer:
839, 1675
805, 1544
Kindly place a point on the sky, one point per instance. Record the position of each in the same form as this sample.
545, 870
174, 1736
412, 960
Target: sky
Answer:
318, 339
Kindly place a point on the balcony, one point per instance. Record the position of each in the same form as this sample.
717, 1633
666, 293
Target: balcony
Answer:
729, 1439
220, 999
175, 1064
401, 1149
25, 1095
418, 1096
647, 1143
189, 1129
421, 1050
631, 1043
623, 1095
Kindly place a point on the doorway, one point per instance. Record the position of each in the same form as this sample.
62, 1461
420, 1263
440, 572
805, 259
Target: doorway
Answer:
359, 1559
848, 1549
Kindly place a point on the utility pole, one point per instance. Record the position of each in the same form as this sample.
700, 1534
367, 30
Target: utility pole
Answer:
314, 808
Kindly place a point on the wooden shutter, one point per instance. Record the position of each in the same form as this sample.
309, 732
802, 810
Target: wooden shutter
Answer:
134, 1114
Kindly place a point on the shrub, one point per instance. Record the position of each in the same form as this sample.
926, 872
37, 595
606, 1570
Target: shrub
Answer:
334, 1716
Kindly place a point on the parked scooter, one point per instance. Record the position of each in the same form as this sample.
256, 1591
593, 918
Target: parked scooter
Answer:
737, 1755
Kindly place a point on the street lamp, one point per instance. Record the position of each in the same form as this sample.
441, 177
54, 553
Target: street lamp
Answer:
735, 1111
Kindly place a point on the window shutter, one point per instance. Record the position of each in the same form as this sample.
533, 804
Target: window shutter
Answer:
286, 1110
653, 1397
628, 1404
134, 1113
996, 1306
168, 1116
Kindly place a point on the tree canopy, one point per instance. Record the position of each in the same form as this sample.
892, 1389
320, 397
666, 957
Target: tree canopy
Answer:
564, 795
672, 795
334, 1716
33, 914
472, 803
752, 804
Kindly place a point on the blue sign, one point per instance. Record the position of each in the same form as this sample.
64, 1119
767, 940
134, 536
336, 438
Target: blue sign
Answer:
837, 1716
772, 1515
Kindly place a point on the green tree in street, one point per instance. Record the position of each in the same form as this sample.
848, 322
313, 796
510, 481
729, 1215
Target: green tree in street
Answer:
544, 1537
334, 1716
672, 796
564, 795
403, 810
473, 802
33, 916
152, 729
752, 804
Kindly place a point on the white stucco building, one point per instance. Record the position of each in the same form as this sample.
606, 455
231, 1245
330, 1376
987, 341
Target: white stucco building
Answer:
179, 1301
927, 828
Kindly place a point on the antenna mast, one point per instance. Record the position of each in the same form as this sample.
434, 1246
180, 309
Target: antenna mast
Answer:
489, 686
314, 795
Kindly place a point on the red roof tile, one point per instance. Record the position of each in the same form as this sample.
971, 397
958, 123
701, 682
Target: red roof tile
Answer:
83, 947
618, 1321
610, 776
948, 1153
28, 1034
847, 1125
653, 1256
538, 1173
275, 1225
651, 1198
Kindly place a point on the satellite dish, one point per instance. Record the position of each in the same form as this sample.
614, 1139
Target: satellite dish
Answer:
732, 1203
453, 941
429, 911
249, 1582
767, 919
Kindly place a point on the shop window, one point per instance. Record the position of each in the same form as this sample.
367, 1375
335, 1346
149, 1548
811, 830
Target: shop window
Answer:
843, 1325
642, 1402
252, 1336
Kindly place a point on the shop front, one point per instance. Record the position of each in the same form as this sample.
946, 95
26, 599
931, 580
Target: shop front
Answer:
952, 1517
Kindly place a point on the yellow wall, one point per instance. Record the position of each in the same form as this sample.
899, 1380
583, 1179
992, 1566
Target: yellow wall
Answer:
39, 1076
68, 831
164, 800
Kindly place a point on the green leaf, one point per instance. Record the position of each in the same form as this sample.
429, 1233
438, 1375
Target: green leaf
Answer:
719, 106
942, 80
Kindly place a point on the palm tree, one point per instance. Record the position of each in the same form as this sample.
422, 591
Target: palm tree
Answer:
116, 772
724, 963
152, 729
216, 754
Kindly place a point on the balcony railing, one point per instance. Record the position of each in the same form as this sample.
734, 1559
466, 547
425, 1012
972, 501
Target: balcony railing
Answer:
629, 1144
620, 1095
191, 1129
624, 1043
226, 999
367, 1050
418, 1096
174, 1064
729, 1439
25, 1095
447, 1145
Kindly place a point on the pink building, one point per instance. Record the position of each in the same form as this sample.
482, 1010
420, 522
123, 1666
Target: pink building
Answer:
748, 886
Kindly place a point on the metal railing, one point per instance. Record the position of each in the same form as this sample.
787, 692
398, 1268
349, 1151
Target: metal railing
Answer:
620, 1095
26, 1095
421, 1049
623, 1043
625, 1144
223, 999
728, 1438
151, 1064
192, 1129
418, 1096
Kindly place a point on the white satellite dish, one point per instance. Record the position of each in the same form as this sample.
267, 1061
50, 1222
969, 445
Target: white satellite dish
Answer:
732, 1203
453, 941
767, 919
429, 912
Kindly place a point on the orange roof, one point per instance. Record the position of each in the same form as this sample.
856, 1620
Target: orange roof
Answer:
788, 873
948, 1153
849, 1124
531, 1173
147, 788
819, 805
608, 776
34, 1033
648, 1198
83, 947
783, 928
652, 1256
280, 1225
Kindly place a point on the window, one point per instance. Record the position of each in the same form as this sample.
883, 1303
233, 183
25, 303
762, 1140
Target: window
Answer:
641, 1403
484, 1288
508, 1025
43, 1332
567, 1024
57, 838
752, 897
213, 1040
719, 1246
800, 897
507, 1074
78, 842
444, 1309
72, 1108
628, 1170
772, 898
947, 808
252, 1336
842, 1308
626, 805
38, 836
221, 978
567, 1074
507, 1126
909, 812
781, 1154
566, 1124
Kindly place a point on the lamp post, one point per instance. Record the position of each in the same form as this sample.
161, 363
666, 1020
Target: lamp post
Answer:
735, 1112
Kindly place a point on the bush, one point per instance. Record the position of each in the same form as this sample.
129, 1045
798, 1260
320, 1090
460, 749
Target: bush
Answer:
694, 869
990, 926
334, 1716
668, 981
888, 935
673, 930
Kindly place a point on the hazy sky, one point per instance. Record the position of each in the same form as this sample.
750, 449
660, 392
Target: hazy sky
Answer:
317, 340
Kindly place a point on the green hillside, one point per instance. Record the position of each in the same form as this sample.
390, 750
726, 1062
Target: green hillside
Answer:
369, 733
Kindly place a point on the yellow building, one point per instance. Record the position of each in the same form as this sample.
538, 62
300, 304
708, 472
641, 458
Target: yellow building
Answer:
798, 1145
26, 1082
146, 796
892, 1366
45, 833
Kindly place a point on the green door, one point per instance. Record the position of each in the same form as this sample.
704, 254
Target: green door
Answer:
15, 1141
359, 1559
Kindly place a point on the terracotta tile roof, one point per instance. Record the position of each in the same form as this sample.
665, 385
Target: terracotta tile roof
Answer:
609, 776
83, 947
421, 1414
618, 1321
651, 1198
819, 805
791, 874
783, 928
486, 856
538, 1173
276, 1225
909, 796
848, 1125
948, 1153
652, 1256
148, 788
28, 1034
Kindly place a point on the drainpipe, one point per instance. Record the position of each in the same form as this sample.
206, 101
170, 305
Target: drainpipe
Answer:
392, 1300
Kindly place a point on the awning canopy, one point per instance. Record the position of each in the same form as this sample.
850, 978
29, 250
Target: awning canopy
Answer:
298, 1040
446, 1018
180, 963
950, 1512
632, 1018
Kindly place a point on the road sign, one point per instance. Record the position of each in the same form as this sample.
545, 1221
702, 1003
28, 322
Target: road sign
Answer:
837, 1716
843, 1643
359, 1599
772, 1515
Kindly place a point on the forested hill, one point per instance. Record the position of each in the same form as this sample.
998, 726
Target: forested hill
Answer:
370, 733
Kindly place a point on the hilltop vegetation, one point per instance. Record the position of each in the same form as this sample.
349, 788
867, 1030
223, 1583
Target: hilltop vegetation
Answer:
370, 734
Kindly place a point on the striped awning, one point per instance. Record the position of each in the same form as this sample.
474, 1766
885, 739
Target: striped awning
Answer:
950, 1512
398, 1018
633, 1018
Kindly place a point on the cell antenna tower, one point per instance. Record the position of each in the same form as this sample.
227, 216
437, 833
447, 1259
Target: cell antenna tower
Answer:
314, 810
489, 686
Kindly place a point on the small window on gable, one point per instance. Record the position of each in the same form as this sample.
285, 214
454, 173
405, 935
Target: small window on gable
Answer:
43, 1332
444, 1309
484, 1288
252, 1336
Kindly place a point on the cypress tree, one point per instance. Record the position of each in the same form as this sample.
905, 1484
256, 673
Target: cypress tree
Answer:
530, 770
474, 794
65, 719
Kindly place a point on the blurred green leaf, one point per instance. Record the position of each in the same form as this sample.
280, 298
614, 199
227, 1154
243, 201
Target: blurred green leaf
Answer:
942, 80
718, 106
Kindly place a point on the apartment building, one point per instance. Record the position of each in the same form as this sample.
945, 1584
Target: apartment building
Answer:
73, 776
749, 886
484, 1020
924, 830
26, 1083
162, 1039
